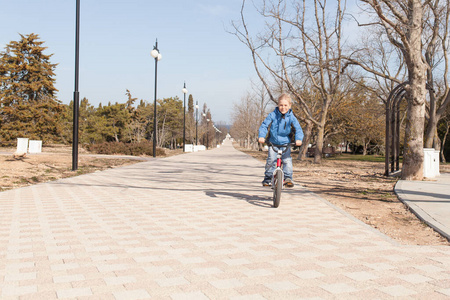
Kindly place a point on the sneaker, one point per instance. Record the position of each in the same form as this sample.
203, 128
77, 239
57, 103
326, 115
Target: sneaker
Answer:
288, 183
266, 182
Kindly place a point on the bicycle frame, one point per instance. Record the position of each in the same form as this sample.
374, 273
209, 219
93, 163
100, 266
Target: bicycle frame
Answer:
279, 155
278, 168
278, 175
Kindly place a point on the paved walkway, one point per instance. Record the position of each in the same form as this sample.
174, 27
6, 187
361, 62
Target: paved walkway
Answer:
199, 226
429, 200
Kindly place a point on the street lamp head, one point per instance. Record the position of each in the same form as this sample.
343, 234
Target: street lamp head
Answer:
184, 90
154, 53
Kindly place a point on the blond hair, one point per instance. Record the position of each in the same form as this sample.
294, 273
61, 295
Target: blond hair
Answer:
285, 96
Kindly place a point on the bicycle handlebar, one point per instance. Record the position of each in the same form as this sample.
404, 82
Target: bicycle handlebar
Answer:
285, 145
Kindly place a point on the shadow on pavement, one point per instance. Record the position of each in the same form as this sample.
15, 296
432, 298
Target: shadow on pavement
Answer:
441, 197
252, 199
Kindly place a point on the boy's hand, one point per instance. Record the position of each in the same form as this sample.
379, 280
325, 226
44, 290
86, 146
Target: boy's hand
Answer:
298, 143
261, 140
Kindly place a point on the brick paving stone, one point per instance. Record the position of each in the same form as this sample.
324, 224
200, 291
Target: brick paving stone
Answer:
361, 276
248, 297
73, 293
14, 290
119, 280
189, 296
207, 271
173, 281
278, 286
68, 278
338, 288
398, 291
132, 295
414, 278
445, 291
226, 283
308, 274
199, 226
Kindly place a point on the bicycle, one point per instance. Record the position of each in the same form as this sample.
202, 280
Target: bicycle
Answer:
278, 174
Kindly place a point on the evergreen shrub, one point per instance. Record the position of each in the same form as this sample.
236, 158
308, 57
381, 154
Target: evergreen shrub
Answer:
120, 148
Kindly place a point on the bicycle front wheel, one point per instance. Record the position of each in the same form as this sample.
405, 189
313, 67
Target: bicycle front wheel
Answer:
277, 187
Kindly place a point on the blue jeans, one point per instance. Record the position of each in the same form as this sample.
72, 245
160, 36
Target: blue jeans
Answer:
271, 162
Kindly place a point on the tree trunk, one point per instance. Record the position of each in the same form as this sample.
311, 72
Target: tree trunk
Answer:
416, 92
413, 156
307, 132
365, 147
444, 139
321, 131
431, 126
319, 145
436, 141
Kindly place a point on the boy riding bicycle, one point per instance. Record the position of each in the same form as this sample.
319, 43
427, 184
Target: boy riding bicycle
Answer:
281, 121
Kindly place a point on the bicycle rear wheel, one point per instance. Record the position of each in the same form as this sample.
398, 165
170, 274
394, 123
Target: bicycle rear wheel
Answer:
277, 187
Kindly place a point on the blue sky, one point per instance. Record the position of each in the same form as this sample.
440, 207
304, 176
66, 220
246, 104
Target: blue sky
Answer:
116, 37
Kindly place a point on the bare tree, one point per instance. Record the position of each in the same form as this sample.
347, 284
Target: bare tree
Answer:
296, 51
246, 120
261, 101
382, 63
436, 46
446, 125
402, 21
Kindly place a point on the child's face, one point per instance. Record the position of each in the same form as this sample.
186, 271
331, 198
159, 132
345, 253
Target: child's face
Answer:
284, 106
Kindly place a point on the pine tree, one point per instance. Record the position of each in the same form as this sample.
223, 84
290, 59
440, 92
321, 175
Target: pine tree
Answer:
116, 118
190, 120
28, 105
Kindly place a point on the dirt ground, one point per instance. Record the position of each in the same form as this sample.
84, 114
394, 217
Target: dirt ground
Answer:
52, 164
355, 186
359, 188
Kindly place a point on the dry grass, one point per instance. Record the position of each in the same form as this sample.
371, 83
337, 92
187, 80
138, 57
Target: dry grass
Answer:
359, 188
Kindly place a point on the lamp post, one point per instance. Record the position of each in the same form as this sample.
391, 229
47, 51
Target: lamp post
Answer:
204, 116
196, 123
157, 56
76, 94
184, 90
207, 133
207, 130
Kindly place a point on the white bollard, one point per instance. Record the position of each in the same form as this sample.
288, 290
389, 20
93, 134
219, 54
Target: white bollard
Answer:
22, 145
35, 146
430, 163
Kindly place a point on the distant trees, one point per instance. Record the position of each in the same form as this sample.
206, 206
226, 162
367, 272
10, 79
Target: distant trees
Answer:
246, 122
190, 121
359, 120
299, 48
125, 122
28, 105
209, 133
247, 116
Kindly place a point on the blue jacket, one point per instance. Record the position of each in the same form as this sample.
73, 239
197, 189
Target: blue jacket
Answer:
281, 127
